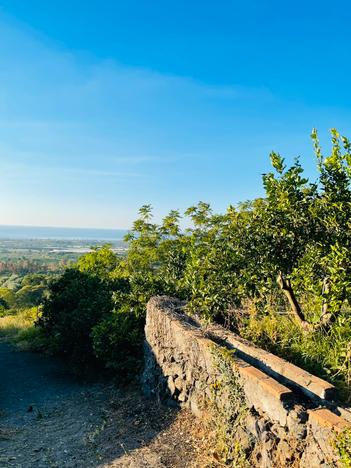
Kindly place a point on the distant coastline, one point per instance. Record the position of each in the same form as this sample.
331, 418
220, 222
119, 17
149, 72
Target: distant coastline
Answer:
61, 233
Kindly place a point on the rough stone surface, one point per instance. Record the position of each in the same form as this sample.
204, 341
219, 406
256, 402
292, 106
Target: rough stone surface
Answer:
280, 429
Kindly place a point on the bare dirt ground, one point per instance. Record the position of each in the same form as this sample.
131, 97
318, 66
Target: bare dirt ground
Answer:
50, 419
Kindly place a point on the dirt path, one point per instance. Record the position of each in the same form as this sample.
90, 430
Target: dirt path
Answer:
50, 419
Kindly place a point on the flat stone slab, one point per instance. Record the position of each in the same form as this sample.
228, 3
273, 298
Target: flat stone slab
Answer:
315, 388
324, 418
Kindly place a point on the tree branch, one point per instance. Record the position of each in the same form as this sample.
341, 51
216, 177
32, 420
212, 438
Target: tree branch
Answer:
285, 286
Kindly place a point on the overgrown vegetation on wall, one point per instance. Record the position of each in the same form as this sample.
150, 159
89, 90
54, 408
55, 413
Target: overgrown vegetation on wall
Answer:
276, 269
228, 420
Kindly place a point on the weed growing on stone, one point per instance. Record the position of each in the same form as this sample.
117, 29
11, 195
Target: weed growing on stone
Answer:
343, 447
230, 409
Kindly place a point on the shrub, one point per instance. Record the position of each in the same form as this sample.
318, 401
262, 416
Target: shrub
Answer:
31, 338
4, 307
117, 341
77, 302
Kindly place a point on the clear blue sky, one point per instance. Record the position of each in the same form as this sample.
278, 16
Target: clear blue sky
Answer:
107, 105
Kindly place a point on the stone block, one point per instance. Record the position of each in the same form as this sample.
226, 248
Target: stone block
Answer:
324, 419
278, 368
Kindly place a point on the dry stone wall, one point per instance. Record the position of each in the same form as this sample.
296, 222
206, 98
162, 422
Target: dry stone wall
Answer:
290, 418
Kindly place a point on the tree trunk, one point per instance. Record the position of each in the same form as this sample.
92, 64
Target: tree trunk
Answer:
325, 315
285, 286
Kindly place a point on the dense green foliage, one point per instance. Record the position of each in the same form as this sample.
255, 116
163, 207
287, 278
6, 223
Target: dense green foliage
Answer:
277, 269
20, 292
94, 314
78, 302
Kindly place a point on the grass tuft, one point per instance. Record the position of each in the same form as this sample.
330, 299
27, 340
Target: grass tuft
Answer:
20, 329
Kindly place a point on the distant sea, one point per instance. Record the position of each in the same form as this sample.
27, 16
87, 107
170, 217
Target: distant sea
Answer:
61, 233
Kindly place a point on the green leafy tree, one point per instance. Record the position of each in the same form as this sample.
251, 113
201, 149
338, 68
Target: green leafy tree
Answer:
306, 233
9, 296
29, 296
100, 262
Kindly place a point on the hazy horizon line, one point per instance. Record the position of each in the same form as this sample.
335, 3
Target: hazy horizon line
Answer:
64, 227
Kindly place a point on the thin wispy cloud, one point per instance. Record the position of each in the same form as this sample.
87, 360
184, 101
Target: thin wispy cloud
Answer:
20, 171
99, 173
41, 158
